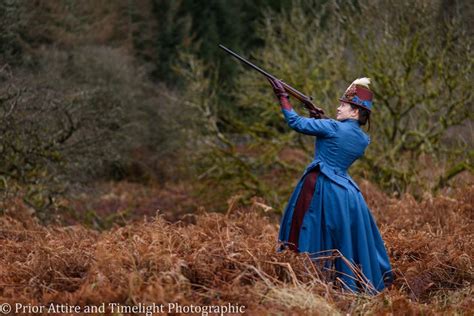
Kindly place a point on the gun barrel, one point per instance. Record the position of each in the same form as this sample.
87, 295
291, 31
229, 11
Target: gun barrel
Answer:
263, 72
292, 91
297, 94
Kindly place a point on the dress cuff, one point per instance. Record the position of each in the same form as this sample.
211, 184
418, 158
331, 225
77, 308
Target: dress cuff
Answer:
285, 103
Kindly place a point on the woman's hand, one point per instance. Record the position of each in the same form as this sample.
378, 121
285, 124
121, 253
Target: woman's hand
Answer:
278, 88
317, 114
281, 94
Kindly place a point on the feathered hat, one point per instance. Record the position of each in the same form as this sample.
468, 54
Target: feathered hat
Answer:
359, 93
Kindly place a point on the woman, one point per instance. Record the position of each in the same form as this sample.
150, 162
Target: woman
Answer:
327, 210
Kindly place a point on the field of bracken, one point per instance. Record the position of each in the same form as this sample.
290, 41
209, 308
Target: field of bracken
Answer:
229, 258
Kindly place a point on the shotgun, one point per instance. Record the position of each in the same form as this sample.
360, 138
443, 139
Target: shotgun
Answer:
306, 100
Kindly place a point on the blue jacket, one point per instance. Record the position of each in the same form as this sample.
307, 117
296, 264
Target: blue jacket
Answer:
338, 217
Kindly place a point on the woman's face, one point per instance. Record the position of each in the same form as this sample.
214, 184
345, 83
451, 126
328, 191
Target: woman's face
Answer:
345, 111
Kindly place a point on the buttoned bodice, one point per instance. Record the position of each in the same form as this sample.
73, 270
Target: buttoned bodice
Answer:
337, 146
343, 147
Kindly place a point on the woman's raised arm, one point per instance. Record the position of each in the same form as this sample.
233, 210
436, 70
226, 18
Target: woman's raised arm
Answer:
309, 126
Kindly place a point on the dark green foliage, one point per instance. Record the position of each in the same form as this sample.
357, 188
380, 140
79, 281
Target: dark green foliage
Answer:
196, 26
12, 19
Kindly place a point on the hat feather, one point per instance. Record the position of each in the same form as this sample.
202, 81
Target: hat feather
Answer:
362, 82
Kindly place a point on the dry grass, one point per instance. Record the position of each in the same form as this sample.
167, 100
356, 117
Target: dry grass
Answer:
221, 258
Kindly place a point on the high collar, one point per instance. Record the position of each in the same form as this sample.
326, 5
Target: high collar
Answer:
351, 121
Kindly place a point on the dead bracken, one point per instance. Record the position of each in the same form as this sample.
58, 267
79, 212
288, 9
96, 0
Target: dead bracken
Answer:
230, 258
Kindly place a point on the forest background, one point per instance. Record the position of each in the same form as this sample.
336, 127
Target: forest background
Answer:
112, 110
138, 91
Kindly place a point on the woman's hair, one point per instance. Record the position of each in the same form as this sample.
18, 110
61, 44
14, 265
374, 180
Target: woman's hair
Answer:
364, 115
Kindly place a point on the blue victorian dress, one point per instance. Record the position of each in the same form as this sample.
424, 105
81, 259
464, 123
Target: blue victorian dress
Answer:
327, 210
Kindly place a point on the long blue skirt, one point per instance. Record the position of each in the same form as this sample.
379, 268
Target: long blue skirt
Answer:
338, 220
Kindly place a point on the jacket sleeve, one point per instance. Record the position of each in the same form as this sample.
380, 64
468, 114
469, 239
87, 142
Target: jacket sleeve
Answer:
310, 126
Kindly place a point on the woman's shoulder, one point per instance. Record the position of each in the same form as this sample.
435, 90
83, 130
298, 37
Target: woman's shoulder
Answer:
351, 127
331, 122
